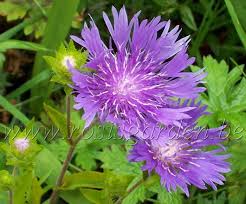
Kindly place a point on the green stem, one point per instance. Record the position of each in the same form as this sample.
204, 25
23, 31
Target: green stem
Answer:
69, 136
40, 7
73, 144
10, 197
10, 191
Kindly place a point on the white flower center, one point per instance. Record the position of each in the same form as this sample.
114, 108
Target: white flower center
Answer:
21, 144
125, 86
167, 151
68, 59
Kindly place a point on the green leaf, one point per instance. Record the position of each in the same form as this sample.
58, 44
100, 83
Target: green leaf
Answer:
23, 188
96, 196
13, 110
13, 11
13, 31
57, 118
18, 44
6, 180
4, 128
163, 196
121, 165
37, 192
88, 179
226, 97
74, 197
76, 58
59, 148
109, 183
233, 13
167, 197
47, 167
29, 84
187, 17
135, 196
217, 75
239, 96
60, 30
239, 154
4, 197
60, 121
98, 138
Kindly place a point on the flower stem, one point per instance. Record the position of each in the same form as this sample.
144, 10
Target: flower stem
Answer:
10, 196
73, 144
54, 195
69, 136
10, 190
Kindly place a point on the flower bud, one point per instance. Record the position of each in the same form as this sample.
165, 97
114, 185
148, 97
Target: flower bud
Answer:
21, 144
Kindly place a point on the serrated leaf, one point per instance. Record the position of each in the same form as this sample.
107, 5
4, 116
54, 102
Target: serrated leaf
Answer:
225, 93
97, 139
119, 165
59, 148
135, 196
239, 95
217, 75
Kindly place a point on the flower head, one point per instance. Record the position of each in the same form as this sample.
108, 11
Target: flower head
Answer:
21, 144
179, 158
137, 75
68, 59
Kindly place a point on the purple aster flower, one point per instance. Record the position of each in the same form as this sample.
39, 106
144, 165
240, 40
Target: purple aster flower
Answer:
179, 158
137, 75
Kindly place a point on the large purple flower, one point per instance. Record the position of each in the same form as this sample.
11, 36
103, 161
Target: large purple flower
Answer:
178, 155
137, 75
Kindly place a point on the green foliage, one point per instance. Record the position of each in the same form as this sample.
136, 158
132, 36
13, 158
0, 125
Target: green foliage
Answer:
187, 17
59, 120
18, 10
164, 196
110, 185
225, 95
60, 66
61, 30
15, 10
17, 44
29, 84
6, 180
121, 165
235, 13
99, 171
12, 109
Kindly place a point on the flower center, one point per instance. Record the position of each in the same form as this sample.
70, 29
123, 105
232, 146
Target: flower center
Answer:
167, 151
21, 144
68, 59
125, 86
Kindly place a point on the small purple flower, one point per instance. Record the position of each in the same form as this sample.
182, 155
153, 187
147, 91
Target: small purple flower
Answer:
180, 159
136, 76
21, 144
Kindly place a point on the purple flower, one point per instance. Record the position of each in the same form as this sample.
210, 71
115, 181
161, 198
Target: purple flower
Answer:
178, 156
137, 75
